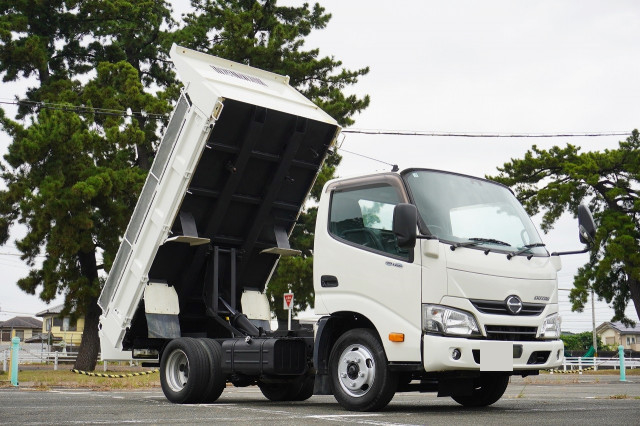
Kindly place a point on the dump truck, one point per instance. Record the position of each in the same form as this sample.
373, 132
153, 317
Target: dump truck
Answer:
424, 280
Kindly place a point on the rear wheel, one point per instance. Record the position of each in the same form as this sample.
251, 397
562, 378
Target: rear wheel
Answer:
183, 370
487, 389
306, 391
299, 389
359, 376
216, 378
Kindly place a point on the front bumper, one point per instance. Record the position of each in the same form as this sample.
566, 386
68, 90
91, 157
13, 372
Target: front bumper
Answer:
438, 354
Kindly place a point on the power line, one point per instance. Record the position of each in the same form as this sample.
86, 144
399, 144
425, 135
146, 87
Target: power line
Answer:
86, 109
19, 255
482, 135
10, 254
382, 132
15, 312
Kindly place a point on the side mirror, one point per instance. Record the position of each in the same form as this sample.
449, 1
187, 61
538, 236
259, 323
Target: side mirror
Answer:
405, 221
587, 231
586, 225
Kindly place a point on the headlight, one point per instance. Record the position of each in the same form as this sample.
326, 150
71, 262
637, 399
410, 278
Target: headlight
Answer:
551, 327
445, 320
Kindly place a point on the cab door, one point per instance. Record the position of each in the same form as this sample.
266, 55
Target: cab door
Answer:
360, 267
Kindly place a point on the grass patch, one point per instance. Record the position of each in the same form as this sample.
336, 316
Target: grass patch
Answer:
47, 379
521, 394
619, 396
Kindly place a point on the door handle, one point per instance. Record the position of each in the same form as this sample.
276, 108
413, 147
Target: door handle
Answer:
328, 281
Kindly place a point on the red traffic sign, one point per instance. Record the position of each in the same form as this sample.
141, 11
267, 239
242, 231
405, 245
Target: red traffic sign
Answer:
288, 300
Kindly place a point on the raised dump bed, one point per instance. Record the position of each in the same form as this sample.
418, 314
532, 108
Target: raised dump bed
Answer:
239, 156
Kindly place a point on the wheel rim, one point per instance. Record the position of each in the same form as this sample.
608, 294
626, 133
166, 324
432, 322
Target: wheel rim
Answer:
356, 370
177, 370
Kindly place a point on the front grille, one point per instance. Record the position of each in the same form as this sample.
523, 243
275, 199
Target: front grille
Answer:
510, 333
499, 307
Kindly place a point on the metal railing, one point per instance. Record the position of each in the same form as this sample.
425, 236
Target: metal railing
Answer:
35, 357
569, 364
32, 356
593, 363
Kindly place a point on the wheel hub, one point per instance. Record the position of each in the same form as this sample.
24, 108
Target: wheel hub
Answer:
352, 371
356, 370
177, 370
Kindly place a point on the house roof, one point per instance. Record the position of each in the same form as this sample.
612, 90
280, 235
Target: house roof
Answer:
620, 327
21, 322
50, 311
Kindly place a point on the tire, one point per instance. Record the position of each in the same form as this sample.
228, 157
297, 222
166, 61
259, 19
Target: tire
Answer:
488, 389
359, 376
216, 379
279, 391
183, 370
403, 380
299, 389
306, 391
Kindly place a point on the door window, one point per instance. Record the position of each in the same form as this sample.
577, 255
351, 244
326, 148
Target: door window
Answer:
363, 216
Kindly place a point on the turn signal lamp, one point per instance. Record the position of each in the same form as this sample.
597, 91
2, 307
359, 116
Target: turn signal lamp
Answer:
396, 337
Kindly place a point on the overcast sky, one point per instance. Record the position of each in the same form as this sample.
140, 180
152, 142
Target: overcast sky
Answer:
470, 66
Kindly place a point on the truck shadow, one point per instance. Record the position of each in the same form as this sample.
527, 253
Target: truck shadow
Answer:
329, 408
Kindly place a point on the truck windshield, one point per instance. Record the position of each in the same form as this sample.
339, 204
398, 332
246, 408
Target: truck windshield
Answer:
472, 212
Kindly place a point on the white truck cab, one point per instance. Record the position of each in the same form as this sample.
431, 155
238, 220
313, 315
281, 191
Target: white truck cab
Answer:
472, 294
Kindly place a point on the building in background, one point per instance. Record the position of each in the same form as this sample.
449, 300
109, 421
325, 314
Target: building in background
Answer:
62, 329
616, 333
24, 327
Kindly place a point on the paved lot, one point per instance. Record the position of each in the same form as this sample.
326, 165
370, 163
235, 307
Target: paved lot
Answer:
544, 400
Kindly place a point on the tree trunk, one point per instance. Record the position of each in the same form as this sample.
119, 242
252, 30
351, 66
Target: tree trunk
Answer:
90, 345
144, 154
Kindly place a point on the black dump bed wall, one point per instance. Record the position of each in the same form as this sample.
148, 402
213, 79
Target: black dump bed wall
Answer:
254, 175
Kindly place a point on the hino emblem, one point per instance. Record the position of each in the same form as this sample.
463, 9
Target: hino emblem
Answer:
514, 304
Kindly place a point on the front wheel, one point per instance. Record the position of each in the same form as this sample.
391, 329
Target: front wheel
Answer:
360, 377
487, 389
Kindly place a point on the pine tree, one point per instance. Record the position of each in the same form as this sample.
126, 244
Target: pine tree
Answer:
72, 176
558, 180
73, 173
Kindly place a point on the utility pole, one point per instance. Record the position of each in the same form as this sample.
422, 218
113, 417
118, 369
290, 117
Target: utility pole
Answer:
593, 321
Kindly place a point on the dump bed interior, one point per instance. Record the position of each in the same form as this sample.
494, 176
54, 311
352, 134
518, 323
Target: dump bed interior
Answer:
237, 161
250, 183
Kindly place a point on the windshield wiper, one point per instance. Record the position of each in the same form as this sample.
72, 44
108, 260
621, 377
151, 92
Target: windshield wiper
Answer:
525, 249
476, 241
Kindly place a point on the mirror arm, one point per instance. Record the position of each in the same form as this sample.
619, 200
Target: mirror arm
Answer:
562, 253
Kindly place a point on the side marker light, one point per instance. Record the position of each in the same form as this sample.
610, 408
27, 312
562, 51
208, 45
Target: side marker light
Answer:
396, 337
